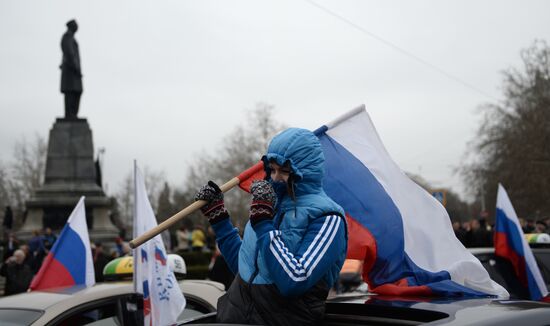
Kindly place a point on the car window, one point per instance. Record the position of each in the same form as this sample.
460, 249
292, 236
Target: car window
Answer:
18, 316
117, 310
495, 271
501, 271
193, 308
104, 315
543, 261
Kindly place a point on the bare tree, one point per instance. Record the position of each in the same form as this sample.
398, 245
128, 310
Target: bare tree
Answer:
29, 163
5, 199
125, 201
154, 180
23, 174
511, 146
165, 207
240, 150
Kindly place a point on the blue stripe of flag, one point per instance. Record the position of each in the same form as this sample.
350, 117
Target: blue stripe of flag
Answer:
71, 253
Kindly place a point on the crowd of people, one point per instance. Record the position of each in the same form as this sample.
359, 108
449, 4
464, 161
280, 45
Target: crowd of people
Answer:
532, 226
478, 233
21, 260
196, 239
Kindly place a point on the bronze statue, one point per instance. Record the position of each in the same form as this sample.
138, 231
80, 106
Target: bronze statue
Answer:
71, 75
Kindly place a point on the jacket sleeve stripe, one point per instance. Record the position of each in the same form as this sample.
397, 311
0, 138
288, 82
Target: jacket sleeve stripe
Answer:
289, 257
319, 245
325, 248
332, 229
298, 268
314, 242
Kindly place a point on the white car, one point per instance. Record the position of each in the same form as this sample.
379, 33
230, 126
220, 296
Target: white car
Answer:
103, 304
111, 303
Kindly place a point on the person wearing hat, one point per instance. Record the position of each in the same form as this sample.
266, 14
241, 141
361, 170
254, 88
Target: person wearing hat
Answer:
71, 74
294, 244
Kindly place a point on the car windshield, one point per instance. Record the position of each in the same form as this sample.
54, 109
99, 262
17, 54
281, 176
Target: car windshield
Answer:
12, 317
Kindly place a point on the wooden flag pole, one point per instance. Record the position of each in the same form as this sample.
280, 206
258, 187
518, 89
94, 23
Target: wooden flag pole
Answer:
148, 235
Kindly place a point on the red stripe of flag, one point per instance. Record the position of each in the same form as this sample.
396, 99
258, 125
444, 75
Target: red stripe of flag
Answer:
255, 172
504, 250
401, 288
51, 274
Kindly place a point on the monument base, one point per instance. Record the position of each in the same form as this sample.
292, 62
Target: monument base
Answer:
70, 174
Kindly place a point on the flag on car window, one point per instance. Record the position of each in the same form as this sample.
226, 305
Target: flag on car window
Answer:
70, 260
401, 232
163, 300
510, 244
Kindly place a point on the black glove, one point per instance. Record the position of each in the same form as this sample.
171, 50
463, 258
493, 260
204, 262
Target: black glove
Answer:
214, 210
263, 200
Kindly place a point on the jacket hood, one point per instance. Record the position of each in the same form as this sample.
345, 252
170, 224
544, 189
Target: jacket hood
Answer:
302, 150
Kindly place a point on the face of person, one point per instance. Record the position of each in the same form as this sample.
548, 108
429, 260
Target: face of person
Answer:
456, 226
25, 249
19, 257
279, 173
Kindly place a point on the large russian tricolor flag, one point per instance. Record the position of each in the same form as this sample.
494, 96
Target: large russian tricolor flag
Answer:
510, 244
70, 260
401, 233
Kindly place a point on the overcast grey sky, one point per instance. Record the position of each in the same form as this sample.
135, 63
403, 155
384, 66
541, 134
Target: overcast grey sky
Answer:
165, 80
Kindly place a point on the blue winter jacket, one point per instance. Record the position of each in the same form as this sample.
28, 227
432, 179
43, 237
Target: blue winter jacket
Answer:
306, 242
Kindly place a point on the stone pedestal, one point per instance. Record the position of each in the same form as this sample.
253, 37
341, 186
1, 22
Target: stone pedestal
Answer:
70, 174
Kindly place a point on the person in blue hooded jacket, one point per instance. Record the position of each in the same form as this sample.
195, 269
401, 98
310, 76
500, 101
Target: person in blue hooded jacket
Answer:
294, 244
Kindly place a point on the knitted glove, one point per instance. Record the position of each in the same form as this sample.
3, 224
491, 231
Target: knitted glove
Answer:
263, 200
214, 210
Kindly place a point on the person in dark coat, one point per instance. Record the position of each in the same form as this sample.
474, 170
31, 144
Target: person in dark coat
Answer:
10, 246
460, 233
219, 271
39, 256
49, 236
36, 243
71, 74
8, 219
479, 236
100, 260
18, 275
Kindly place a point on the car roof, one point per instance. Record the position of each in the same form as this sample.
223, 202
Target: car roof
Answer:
74, 295
44, 299
365, 308
489, 250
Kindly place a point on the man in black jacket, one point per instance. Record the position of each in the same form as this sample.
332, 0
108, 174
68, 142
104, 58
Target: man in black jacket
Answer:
18, 275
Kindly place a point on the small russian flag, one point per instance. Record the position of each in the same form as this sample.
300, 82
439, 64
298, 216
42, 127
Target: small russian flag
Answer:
510, 244
159, 255
70, 260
